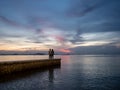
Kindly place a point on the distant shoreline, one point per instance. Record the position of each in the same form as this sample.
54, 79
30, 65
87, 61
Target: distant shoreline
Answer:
24, 54
58, 54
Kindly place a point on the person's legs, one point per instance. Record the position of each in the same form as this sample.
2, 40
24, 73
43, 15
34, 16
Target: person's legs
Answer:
52, 56
49, 56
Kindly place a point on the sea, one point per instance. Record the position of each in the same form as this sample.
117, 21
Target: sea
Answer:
77, 72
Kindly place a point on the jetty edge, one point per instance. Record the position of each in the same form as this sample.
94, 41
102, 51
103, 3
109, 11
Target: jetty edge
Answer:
8, 67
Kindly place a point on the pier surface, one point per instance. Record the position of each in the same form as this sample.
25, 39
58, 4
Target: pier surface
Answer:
14, 66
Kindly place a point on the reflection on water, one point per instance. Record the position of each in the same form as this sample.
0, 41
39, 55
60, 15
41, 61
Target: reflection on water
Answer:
77, 72
21, 57
25, 74
51, 74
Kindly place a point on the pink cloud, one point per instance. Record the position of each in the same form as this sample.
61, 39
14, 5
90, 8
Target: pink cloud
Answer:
65, 50
59, 38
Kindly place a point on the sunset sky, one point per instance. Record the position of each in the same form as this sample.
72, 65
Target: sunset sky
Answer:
70, 26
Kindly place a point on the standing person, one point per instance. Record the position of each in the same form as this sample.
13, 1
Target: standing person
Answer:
52, 53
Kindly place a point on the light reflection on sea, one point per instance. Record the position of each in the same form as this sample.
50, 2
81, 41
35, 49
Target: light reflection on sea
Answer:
77, 72
22, 57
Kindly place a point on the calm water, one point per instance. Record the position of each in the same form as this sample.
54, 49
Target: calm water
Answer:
77, 72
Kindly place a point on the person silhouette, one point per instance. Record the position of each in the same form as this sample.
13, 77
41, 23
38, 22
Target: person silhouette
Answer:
52, 53
49, 53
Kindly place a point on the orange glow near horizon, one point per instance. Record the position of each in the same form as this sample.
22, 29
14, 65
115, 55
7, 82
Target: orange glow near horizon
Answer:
65, 50
11, 47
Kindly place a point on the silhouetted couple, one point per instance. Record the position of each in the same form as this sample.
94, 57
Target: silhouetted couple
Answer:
51, 53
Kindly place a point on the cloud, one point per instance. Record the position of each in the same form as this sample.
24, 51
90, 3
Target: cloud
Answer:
105, 49
98, 26
65, 50
41, 25
9, 22
36, 22
96, 21
80, 8
5, 34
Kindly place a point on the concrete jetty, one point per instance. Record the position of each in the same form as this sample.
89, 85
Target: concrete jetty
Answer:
15, 66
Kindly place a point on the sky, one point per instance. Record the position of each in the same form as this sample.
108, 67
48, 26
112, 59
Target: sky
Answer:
68, 26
